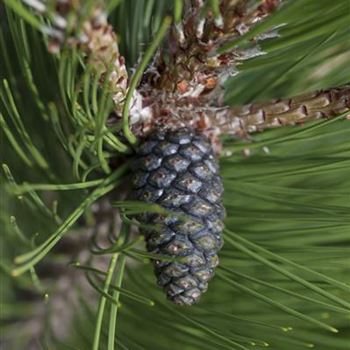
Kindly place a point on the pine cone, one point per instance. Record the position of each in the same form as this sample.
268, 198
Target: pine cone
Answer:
178, 171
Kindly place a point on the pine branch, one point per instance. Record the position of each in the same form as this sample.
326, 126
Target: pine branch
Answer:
276, 113
185, 84
189, 91
240, 121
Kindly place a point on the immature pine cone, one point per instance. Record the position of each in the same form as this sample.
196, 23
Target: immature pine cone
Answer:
178, 171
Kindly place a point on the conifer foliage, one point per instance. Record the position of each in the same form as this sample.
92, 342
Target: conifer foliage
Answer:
261, 88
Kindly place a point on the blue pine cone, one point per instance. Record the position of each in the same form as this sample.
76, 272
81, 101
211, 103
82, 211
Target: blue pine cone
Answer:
178, 171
